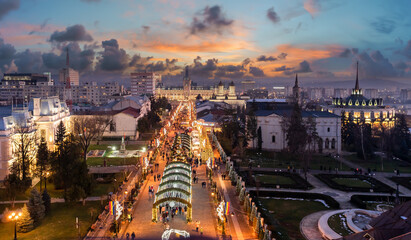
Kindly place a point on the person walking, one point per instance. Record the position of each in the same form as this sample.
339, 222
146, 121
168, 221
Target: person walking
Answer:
201, 231
197, 225
133, 235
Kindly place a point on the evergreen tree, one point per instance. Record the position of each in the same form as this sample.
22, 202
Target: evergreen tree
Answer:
252, 126
296, 132
402, 141
25, 222
348, 129
61, 134
57, 156
36, 207
47, 201
42, 160
259, 139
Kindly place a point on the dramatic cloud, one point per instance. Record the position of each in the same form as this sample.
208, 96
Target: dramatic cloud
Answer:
346, 53
282, 56
383, 25
303, 67
282, 69
264, 58
80, 60
401, 67
375, 65
407, 50
313, 7
7, 52
113, 58
29, 62
169, 65
203, 69
257, 72
210, 19
72, 33
8, 5
272, 15
146, 29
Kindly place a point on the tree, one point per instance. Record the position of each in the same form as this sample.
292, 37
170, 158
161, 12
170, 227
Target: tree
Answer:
61, 134
42, 160
259, 139
402, 141
87, 129
348, 130
296, 131
252, 126
25, 222
24, 145
36, 207
47, 201
143, 124
70, 170
57, 156
14, 185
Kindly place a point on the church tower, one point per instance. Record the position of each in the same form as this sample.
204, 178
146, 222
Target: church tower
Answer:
186, 85
357, 90
296, 91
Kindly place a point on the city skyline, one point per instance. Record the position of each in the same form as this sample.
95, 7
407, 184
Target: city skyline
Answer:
222, 40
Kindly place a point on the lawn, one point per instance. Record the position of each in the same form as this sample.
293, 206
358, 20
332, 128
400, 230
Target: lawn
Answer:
404, 181
60, 224
290, 213
338, 224
108, 147
352, 182
378, 164
99, 161
274, 179
269, 159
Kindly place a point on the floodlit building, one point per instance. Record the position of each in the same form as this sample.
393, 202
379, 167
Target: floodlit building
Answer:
370, 111
144, 83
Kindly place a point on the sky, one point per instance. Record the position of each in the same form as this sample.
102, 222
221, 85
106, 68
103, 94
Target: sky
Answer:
228, 40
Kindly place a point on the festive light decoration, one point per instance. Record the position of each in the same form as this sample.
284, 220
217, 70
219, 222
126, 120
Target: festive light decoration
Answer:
220, 210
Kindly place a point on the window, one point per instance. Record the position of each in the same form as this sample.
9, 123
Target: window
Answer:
112, 127
327, 143
273, 138
333, 143
328, 129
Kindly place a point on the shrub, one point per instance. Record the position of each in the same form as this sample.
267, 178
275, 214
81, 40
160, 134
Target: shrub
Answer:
360, 200
377, 185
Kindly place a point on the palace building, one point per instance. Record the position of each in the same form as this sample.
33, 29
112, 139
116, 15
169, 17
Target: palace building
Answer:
370, 111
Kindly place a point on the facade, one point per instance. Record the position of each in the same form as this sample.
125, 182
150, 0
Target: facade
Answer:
47, 114
69, 76
370, 111
26, 79
144, 83
94, 94
274, 137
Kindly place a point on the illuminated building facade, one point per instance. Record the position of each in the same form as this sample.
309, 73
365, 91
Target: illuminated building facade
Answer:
363, 110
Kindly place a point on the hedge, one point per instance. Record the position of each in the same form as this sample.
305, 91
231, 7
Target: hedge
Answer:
403, 181
300, 182
378, 186
360, 200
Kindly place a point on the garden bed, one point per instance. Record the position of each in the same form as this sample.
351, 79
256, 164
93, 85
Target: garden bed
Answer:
371, 201
354, 183
272, 179
403, 181
290, 208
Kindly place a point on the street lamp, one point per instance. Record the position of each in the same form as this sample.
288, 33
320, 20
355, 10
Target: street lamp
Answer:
13, 217
45, 182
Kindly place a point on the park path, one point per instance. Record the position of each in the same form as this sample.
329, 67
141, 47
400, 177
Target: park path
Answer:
309, 225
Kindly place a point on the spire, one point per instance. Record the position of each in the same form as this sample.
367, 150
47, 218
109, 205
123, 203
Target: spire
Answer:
186, 73
67, 58
296, 80
357, 85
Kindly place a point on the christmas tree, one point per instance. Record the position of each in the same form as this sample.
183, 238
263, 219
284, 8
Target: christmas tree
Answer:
25, 222
36, 206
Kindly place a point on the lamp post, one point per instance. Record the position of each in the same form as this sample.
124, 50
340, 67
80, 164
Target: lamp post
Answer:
13, 217
45, 182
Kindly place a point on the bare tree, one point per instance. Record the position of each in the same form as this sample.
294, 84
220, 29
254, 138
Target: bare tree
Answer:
24, 145
89, 128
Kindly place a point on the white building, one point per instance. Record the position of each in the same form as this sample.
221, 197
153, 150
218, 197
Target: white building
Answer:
274, 137
144, 83
47, 114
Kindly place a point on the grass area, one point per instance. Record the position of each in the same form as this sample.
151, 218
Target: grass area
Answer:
107, 147
337, 222
270, 159
54, 193
352, 182
274, 179
404, 181
290, 213
3, 195
60, 224
99, 161
380, 164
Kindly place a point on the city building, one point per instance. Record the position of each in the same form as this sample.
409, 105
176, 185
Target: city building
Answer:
257, 93
47, 114
247, 84
370, 111
371, 93
67, 75
279, 92
26, 79
144, 83
271, 115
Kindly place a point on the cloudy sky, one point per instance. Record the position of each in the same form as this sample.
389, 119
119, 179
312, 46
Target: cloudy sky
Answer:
228, 39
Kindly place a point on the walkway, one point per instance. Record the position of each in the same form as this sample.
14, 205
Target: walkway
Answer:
309, 225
